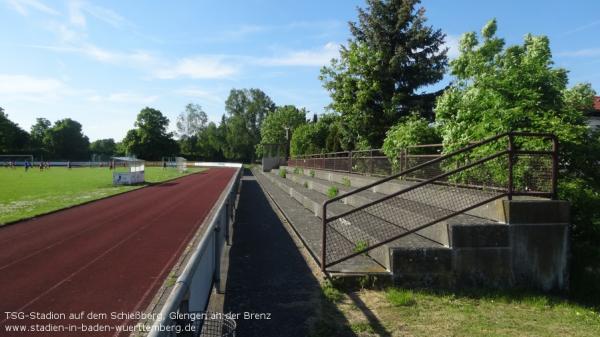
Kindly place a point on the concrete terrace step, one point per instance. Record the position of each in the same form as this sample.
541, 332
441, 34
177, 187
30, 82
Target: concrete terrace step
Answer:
309, 228
405, 211
378, 230
437, 196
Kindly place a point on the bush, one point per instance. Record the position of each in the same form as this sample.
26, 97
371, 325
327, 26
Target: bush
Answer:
412, 130
282, 173
346, 182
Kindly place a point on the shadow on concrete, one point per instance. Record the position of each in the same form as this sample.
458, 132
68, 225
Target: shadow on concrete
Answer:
268, 275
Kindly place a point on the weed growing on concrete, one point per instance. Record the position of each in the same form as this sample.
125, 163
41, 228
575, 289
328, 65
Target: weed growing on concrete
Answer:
360, 246
312, 173
332, 192
306, 184
171, 280
282, 173
400, 297
297, 170
346, 182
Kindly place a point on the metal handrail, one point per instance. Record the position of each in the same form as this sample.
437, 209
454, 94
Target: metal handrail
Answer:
511, 152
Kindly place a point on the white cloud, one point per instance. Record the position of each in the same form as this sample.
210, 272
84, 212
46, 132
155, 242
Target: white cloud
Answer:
24, 85
199, 67
195, 92
581, 28
78, 9
24, 6
124, 97
311, 58
453, 43
76, 15
588, 52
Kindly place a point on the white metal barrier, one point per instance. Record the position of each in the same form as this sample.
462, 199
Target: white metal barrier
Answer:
192, 289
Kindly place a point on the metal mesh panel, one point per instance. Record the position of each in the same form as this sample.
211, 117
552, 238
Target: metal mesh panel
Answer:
418, 206
214, 325
533, 173
440, 187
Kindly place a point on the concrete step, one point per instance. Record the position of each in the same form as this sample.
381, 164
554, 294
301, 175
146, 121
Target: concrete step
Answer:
377, 231
441, 196
309, 229
404, 211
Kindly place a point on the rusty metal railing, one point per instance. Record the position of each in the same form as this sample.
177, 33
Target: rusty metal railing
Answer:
372, 162
506, 165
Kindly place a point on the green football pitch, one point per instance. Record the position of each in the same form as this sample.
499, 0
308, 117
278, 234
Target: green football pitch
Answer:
27, 194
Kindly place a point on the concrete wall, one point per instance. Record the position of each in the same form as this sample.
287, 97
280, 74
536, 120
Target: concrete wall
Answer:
530, 251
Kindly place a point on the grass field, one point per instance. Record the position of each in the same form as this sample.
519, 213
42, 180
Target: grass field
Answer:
26, 194
402, 312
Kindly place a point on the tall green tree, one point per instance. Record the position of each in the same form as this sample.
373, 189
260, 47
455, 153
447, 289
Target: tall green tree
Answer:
104, 147
321, 135
150, 140
210, 143
38, 132
246, 109
517, 88
279, 125
66, 141
375, 82
189, 125
13, 139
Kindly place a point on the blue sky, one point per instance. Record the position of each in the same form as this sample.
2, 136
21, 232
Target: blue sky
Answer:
101, 62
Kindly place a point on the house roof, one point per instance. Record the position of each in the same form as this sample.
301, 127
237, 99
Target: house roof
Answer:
597, 103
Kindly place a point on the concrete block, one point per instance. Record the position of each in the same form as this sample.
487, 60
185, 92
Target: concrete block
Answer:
421, 260
537, 211
488, 267
486, 235
540, 255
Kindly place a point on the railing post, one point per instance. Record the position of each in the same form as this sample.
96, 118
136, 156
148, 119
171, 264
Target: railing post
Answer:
511, 149
350, 161
371, 166
324, 237
554, 168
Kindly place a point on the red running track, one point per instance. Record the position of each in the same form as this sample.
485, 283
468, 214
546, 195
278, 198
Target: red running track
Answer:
109, 256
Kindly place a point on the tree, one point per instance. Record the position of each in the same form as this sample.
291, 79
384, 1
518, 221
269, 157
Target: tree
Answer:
38, 132
66, 140
190, 124
412, 130
210, 143
280, 124
321, 135
374, 83
13, 139
104, 147
500, 89
246, 110
191, 121
150, 139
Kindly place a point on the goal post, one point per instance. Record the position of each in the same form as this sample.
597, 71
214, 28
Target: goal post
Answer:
179, 163
128, 170
7, 160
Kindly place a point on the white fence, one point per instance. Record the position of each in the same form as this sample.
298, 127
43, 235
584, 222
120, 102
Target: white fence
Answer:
192, 289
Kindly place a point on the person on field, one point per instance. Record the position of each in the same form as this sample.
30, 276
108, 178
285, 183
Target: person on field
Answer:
26, 166
164, 165
41, 166
69, 164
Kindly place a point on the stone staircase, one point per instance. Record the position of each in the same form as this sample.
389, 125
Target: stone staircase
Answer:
437, 255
